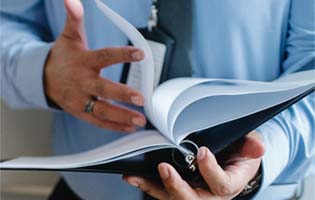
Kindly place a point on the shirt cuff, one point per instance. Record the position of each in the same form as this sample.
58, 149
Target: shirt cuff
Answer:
30, 73
276, 154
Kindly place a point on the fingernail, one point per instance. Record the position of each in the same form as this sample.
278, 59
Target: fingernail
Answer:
136, 100
201, 153
164, 172
137, 55
138, 121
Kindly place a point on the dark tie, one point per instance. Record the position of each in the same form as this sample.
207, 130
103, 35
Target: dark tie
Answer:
175, 18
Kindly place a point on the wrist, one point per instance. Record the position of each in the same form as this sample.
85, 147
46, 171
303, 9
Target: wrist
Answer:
48, 89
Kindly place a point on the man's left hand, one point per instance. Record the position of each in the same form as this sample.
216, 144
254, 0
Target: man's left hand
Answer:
223, 183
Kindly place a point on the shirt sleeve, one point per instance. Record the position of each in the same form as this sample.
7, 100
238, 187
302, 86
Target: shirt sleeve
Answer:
25, 44
289, 137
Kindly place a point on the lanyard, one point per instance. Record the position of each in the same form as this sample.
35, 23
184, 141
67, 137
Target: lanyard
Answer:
153, 20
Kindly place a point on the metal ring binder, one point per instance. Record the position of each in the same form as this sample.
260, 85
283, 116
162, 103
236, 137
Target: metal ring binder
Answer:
188, 150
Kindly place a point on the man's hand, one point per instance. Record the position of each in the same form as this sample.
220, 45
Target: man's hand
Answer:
72, 77
224, 183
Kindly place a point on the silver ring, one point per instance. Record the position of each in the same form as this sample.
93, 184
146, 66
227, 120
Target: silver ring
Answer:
89, 106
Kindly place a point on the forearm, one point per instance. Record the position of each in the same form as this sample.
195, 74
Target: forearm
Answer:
289, 140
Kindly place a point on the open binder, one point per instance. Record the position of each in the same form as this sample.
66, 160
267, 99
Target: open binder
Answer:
187, 112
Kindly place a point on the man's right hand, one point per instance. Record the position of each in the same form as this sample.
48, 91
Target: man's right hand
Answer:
72, 77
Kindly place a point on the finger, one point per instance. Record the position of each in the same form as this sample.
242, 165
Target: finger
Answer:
74, 10
241, 171
106, 124
152, 188
107, 89
76, 106
253, 146
217, 180
118, 114
174, 184
105, 57
74, 28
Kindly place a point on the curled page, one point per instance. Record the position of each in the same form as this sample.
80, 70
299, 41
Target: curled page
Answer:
186, 105
138, 41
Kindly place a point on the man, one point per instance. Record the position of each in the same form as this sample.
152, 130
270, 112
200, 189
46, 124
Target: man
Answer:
50, 62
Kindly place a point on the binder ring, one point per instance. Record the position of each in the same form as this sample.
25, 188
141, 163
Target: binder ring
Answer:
194, 146
188, 154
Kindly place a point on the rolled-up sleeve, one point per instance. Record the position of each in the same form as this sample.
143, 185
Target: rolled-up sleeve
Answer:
289, 139
290, 136
25, 45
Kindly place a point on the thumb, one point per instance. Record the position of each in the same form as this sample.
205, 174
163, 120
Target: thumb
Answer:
253, 146
74, 27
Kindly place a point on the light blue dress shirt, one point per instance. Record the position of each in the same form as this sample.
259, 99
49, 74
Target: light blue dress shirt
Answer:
256, 40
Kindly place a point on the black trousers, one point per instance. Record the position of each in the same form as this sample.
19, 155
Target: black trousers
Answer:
63, 192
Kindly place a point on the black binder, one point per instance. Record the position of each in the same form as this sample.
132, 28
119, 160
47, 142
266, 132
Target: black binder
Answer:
216, 139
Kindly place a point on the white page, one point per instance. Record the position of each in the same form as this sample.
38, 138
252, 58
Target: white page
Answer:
168, 100
147, 64
211, 111
134, 79
308, 75
217, 87
165, 95
178, 93
126, 147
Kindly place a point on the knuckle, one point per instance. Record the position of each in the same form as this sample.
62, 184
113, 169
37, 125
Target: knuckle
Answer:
222, 190
173, 186
87, 86
102, 112
122, 115
125, 97
128, 119
102, 108
100, 88
115, 126
121, 96
124, 94
101, 58
105, 54
126, 53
